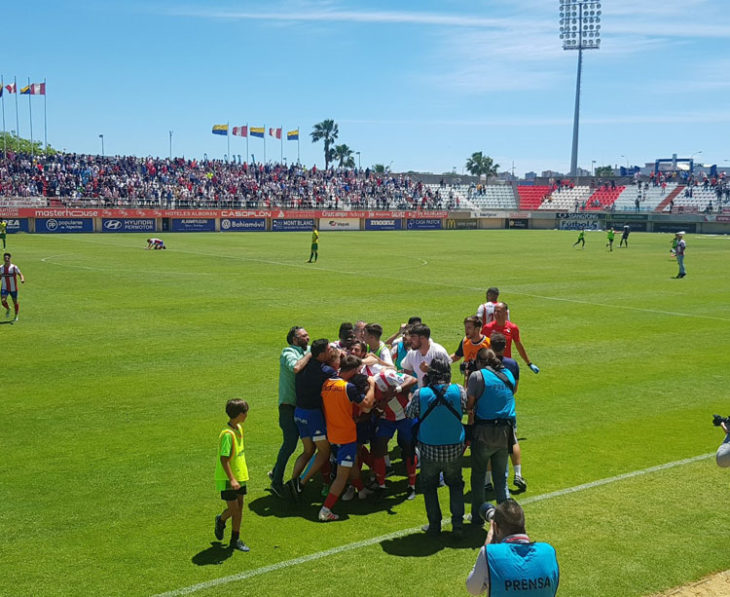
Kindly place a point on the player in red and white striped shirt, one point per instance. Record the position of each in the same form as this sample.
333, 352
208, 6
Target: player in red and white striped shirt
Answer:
10, 273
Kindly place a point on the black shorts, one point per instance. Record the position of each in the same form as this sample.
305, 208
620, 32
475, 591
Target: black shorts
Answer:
231, 495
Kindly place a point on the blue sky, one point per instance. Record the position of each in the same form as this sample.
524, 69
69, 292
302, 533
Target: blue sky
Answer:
419, 85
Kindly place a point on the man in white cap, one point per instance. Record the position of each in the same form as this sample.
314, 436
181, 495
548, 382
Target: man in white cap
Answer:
680, 249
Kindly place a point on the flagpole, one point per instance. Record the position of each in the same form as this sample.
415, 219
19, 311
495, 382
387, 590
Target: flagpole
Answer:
30, 117
17, 121
45, 122
228, 138
281, 142
299, 132
264, 144
2, 97
248, 132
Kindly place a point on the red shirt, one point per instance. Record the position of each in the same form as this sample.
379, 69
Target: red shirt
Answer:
510, 331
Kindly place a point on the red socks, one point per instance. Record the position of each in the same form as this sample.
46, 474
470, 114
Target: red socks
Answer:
379, 468
331, 500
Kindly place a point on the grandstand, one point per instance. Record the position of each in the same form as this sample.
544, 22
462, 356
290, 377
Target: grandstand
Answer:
495, 197
457, 194
696, 199
75, 180
649, 197
531, 196
604, 198
566, 198
126, 181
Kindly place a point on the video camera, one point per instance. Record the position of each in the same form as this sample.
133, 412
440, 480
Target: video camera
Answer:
717, 420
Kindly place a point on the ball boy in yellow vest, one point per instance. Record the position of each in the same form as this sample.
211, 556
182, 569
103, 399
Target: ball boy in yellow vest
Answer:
231, 472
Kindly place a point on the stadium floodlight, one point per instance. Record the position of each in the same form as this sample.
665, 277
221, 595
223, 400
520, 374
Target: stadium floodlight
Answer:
580, 29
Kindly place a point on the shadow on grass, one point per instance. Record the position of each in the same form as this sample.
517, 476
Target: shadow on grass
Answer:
419, 545
311, 500
216, 554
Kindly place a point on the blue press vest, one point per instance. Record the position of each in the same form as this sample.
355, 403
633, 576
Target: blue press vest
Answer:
441, 427
529, 569
497, 401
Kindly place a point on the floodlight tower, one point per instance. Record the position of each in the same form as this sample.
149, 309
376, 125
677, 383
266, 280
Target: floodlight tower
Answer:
580, 29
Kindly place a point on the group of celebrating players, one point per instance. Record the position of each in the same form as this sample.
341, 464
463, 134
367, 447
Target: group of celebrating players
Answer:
340, 397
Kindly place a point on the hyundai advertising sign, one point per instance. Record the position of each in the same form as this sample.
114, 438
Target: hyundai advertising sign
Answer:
243, 224
127, 225
63, 225
192, 224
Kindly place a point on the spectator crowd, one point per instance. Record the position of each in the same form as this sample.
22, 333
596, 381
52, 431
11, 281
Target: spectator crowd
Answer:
127, 181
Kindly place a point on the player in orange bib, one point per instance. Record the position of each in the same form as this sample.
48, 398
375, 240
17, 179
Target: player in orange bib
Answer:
338, 397
473, 341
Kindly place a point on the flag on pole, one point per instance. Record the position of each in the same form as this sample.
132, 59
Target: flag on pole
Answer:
12, 88
257, 131
220, 129
275, 133
240, 131
293, 135
34, 89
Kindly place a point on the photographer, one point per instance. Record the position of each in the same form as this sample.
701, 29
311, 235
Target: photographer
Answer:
723, 452
509, 562
439, 406
491, 396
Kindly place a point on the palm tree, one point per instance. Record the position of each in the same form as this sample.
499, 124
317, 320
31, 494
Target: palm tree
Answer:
479, 164
326, 130
344, 154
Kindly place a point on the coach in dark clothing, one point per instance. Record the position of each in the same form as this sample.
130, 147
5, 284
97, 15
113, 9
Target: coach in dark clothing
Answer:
308, 415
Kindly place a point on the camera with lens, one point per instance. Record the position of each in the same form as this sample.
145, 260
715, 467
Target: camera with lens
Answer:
467, 367
717, 420
486, 512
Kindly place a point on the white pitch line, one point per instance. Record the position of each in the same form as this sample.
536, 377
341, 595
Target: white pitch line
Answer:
619, 306
72, 265
424, 263
367, 542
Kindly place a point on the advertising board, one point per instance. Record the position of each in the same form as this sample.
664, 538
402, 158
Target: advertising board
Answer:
64, 225
383, 224
291, 224
127, 225
425, 224
339, 223
243, 224
17, 225
192, 225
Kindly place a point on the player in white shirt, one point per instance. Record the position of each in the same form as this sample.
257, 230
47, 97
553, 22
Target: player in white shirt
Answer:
423, 349
391, 399
485, 312
156, 244
9, 272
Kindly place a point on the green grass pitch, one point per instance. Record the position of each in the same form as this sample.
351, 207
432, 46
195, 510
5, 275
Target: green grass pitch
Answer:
115, 378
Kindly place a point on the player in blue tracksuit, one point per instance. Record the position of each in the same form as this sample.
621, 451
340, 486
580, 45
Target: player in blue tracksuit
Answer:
511, 564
